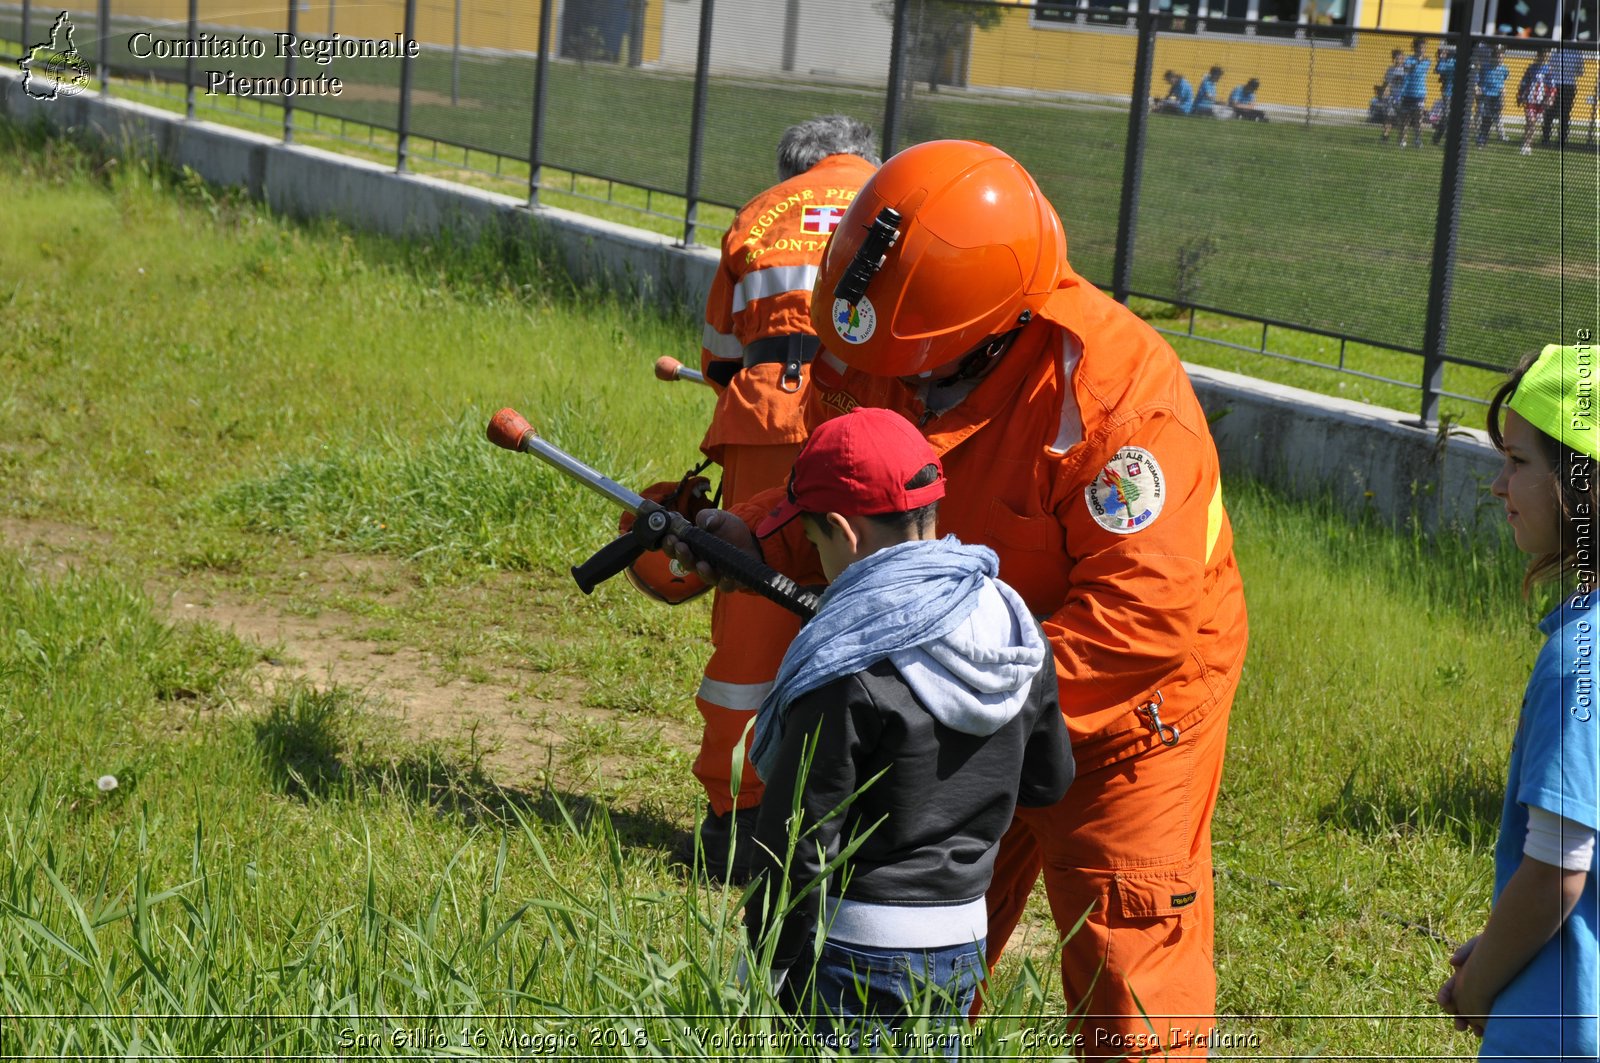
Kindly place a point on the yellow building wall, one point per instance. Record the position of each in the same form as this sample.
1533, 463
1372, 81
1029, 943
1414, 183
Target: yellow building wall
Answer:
654, 13
512, 25
1099, 62
165, 10
1412, 16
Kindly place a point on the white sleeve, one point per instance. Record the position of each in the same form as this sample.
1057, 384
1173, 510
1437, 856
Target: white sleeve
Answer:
1558, 841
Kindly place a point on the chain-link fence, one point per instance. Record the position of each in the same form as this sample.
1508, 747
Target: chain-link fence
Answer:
1275, 161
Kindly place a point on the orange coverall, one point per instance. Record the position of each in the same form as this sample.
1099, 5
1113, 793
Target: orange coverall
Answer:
762, 289
1084, 460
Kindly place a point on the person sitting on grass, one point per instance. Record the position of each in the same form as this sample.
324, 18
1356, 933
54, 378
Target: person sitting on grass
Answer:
1378, 110
908, 720
1179, 98
1528, 984
1205, 101
1243, 99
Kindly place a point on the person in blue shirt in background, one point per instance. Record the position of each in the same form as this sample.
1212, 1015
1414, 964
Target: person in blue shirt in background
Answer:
1566, 67
1414, 92
1445, 71
1179, 98
1529, 985
1389, 91
1491, 92
1242, 100
1206, 102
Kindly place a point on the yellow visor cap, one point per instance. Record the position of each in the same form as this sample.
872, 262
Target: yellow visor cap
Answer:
1557, 396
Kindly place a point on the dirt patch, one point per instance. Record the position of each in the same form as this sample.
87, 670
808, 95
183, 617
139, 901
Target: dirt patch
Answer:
518, 725
519, 722
384, 94
396, 679
1555, 269
53, 546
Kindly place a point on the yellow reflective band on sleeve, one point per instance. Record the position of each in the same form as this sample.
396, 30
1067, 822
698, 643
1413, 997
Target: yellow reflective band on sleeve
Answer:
1213, 521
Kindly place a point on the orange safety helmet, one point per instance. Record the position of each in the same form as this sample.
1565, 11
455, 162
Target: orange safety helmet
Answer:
978, 245
653, 572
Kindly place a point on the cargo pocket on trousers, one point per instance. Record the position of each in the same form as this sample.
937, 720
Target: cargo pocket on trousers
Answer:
1159, 894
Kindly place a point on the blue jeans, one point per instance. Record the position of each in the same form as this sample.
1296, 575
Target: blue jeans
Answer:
860, 995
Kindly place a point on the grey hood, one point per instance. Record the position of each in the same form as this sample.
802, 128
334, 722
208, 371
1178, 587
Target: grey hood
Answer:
977, 677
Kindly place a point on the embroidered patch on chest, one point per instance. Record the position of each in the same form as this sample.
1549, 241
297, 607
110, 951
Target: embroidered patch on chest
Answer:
1127, 494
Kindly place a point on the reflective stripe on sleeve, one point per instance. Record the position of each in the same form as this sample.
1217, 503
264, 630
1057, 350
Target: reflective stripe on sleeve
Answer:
1213, 521
774, 280
741, 697
721, 344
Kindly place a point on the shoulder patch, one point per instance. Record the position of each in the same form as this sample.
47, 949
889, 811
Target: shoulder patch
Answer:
1127, 494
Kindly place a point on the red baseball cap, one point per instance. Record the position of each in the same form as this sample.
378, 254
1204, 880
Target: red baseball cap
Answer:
858, 465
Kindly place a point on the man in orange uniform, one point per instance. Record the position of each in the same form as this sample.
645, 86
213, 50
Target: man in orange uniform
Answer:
757, 348
1074, 447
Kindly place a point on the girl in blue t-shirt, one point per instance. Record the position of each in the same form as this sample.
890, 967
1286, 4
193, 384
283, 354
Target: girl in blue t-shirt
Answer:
1179, 98
1528, 984
1205, 100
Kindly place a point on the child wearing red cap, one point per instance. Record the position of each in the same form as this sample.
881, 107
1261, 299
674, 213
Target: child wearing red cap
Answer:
907, 722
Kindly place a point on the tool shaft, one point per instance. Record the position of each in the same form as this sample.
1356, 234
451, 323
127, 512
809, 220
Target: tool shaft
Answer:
560, 459
669, 369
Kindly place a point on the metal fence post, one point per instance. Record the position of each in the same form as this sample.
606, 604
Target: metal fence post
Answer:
455, 59
1133, 153
540, 80
104, 51
1447, 225
897, 60
288, 70
791, 34
22, 31
697, 123
403, 146
189, 63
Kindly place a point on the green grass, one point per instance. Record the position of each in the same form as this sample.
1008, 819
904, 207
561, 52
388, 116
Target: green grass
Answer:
267, 404
1314, 225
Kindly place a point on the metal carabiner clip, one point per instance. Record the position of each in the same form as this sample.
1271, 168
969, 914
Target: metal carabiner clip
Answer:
1166, 732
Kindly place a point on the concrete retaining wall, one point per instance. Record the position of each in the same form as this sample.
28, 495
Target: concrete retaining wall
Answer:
1366, 458
306, 182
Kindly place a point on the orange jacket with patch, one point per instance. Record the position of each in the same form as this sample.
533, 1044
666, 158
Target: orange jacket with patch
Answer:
1085, 462
763, 289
